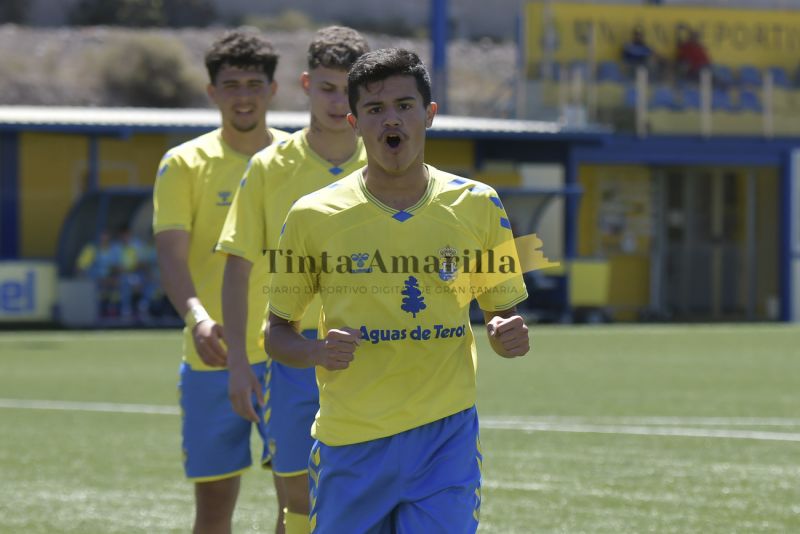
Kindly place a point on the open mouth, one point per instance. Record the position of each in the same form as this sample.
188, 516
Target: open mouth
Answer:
393, 140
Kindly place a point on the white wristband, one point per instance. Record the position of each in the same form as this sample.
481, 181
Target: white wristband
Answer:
195, 316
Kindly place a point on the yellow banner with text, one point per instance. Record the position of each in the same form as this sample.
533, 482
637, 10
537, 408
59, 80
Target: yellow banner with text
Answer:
732, 36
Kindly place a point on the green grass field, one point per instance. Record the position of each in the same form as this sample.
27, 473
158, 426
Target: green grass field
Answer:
599, 430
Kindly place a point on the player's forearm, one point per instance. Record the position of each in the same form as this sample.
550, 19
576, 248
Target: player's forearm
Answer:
284, 344
175, 276
235, 284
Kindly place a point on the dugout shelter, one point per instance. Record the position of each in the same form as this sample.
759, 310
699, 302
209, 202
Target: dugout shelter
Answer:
68, 174
663, 227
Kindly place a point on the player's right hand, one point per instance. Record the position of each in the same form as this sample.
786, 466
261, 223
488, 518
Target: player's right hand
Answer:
338, 348
242, 385
207, 336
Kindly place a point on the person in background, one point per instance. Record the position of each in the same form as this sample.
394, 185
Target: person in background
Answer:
193, 191
637, 53
310, 159
99, 261
691, 58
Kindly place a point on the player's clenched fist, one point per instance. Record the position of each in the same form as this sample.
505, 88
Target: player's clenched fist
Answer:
207, 336
338, 348
508, 336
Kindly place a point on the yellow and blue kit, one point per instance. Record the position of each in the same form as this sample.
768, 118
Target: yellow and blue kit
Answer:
193, 191
405, 279
276, 178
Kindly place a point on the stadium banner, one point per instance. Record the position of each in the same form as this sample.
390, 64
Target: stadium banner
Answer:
561, 31
27, 291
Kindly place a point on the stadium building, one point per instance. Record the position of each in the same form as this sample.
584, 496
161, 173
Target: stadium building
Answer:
661, 198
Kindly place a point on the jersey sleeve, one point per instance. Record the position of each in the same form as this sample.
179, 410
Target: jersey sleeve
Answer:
172, 195
243, 233
294, 281
500, 286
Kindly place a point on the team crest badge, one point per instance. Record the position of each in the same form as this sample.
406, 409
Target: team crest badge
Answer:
448, 262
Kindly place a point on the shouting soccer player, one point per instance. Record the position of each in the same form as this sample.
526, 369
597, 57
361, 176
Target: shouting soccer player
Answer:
397, 445
310, 159
193, 190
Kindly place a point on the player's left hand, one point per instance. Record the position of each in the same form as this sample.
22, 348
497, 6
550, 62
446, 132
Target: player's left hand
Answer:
508, 336
243, 385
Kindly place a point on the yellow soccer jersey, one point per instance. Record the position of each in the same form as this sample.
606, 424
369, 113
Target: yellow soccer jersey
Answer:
405, 280
193, 191
276, 178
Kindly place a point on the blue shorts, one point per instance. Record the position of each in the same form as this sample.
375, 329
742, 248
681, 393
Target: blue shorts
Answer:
216, 440
294, 399
427, 479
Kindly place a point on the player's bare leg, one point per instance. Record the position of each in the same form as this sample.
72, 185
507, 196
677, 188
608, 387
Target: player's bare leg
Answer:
282, 503
214, 504
297, 504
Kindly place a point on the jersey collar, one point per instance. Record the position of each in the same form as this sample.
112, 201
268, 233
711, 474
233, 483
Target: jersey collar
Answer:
401, 215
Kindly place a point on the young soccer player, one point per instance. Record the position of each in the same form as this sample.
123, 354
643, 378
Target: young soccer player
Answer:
193, 190
388, 249
310, 159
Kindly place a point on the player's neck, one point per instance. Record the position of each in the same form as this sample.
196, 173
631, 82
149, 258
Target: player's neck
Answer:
398, 191
247, 143
335, 147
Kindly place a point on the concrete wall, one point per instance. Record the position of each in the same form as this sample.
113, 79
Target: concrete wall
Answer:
470, 18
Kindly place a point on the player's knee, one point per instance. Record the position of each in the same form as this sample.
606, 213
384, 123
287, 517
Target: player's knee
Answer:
297, 494
215, 502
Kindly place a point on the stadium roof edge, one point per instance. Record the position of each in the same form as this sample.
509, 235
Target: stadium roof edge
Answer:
125, 121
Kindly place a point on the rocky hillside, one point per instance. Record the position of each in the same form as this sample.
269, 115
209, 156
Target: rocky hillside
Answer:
73, 66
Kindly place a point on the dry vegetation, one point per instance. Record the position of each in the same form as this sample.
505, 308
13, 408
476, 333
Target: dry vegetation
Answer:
89, 67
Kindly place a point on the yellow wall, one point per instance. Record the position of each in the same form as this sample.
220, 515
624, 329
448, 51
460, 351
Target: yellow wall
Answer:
52, 175
499, 178
131, 162
50, 182
451, 155
458, 156
732, 36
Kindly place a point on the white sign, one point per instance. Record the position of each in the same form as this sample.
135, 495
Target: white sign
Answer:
27, 291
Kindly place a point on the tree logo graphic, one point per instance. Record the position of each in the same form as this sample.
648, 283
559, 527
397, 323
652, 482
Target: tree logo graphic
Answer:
413, 301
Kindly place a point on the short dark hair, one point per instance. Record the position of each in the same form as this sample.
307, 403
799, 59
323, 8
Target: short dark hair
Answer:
381, 64
336, 47
241, 48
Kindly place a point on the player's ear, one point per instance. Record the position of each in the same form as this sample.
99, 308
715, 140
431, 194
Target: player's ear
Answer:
273, 88
305, 81
430, 113
353, 121
211, 91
